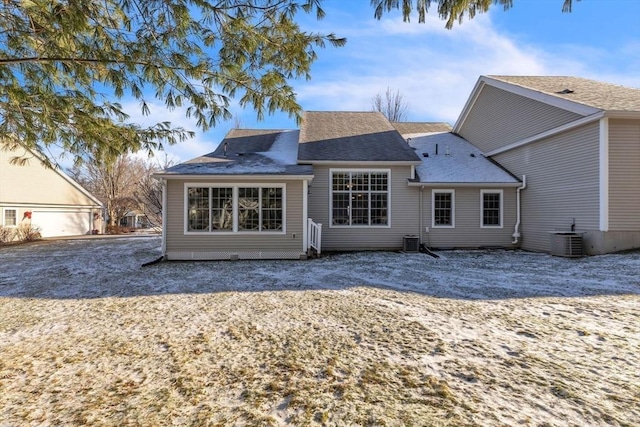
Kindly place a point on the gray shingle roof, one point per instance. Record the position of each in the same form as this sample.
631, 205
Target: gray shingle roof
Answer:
407, 128
457, 161
604, 96
248, 152
351, 136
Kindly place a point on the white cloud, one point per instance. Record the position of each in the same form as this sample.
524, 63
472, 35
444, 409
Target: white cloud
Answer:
435, 69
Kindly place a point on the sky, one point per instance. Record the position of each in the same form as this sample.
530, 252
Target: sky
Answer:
435, 69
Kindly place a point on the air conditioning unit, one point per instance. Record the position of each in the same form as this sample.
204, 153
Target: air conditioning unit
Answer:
567, 244
411, 243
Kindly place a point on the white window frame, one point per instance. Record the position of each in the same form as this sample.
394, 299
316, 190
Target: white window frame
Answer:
4, 217
234, 186
356, 170
453, 208
482, 193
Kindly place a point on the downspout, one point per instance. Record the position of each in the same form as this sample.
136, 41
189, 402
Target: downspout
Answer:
516, 232
305, 216
421, 214
164, 218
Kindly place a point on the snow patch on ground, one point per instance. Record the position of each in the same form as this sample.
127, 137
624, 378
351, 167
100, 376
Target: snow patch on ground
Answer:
88, 336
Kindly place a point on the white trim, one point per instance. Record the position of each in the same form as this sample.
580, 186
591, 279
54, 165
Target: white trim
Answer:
546, 134
536, 95
453, 207
305, 216
555, 101
482, 193
234, 188
356, 170
347, 163
465, 184
164, 217
234, 178
52, 206
468, 106
604, 174
4, 217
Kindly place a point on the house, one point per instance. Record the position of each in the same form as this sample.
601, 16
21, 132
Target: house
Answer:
577, 141
135, 219
353, 172
527, 158
46, 198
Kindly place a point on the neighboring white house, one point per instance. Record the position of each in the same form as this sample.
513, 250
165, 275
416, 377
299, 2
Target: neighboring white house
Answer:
47, 198
372, 183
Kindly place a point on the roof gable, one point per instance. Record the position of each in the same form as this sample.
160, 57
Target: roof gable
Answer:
342, 136
35, 183
592, 93
413, 128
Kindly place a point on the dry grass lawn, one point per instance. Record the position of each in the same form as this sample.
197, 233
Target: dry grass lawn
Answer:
106, 342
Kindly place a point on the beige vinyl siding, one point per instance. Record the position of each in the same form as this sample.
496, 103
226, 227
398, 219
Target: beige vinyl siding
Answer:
36, 185
468, 232
624, 175
499, 118
562, 184
177, 242
404, 203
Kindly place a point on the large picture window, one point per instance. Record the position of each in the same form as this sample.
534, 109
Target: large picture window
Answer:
360, 198
491, 209
443, 208
235, 209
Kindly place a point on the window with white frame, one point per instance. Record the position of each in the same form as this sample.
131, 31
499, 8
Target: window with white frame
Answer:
491, 209
234, 209
443, 208
360, 198
10, 218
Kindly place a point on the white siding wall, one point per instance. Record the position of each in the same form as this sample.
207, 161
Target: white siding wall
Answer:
32, 183
467, 232
562, 184
499, 118
404, 213
223, 246
624, 175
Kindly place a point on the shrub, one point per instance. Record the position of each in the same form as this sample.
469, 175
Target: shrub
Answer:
117, 229
7, 234
28, 233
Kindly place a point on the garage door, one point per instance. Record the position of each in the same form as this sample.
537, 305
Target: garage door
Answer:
55, 224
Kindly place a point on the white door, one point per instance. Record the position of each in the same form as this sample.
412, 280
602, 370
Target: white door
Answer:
57, 223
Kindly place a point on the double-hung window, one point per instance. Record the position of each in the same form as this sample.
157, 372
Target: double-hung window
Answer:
234, 209
443, 208
10, 218
360, 198
491, 208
